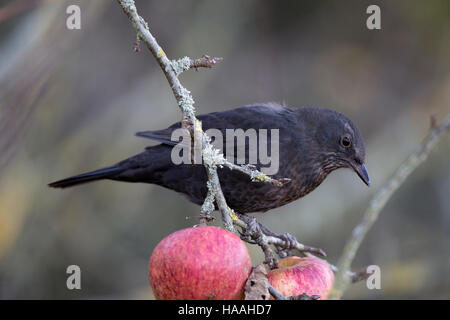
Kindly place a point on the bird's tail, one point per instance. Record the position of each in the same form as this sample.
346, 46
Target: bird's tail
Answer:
87, 177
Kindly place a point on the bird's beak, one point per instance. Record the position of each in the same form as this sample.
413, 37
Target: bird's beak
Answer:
361, 171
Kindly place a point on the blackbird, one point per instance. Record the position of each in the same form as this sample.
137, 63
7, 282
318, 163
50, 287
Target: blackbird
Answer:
312, 142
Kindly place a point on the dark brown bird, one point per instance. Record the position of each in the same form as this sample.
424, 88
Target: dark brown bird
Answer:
312, 143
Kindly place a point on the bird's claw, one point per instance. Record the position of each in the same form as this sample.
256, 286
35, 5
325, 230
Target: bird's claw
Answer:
289, 243
252, 229
289, 240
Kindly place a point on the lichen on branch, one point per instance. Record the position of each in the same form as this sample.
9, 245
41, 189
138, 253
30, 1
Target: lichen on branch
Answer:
212, 159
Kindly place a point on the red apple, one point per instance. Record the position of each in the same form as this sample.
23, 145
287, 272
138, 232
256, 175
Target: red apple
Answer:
298, 275
199, 263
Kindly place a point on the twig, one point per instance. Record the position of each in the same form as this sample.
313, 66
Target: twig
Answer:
187, 63
171, 70
359, 275
380, 199
183, 96
211, 157
279, 296
204, 62
256, 175
275, 293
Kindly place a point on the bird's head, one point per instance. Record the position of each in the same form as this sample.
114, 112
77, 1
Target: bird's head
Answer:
339, 142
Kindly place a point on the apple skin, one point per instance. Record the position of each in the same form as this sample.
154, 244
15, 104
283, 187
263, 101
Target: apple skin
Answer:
298, 275
199, 263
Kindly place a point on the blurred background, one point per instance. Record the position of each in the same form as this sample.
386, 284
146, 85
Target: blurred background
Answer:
71, 101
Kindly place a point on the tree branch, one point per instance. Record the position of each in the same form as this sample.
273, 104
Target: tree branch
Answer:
212, 159
204, 62
183, 96
343, 279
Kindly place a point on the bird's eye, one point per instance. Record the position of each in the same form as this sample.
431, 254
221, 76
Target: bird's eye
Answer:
346, 142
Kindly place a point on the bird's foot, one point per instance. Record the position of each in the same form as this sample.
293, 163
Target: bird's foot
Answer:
254, 234
290, 243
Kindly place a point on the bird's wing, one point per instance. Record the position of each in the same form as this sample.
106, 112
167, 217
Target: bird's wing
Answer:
248, 117
268, 116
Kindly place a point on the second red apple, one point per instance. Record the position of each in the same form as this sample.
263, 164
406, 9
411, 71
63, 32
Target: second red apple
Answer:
296, 276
